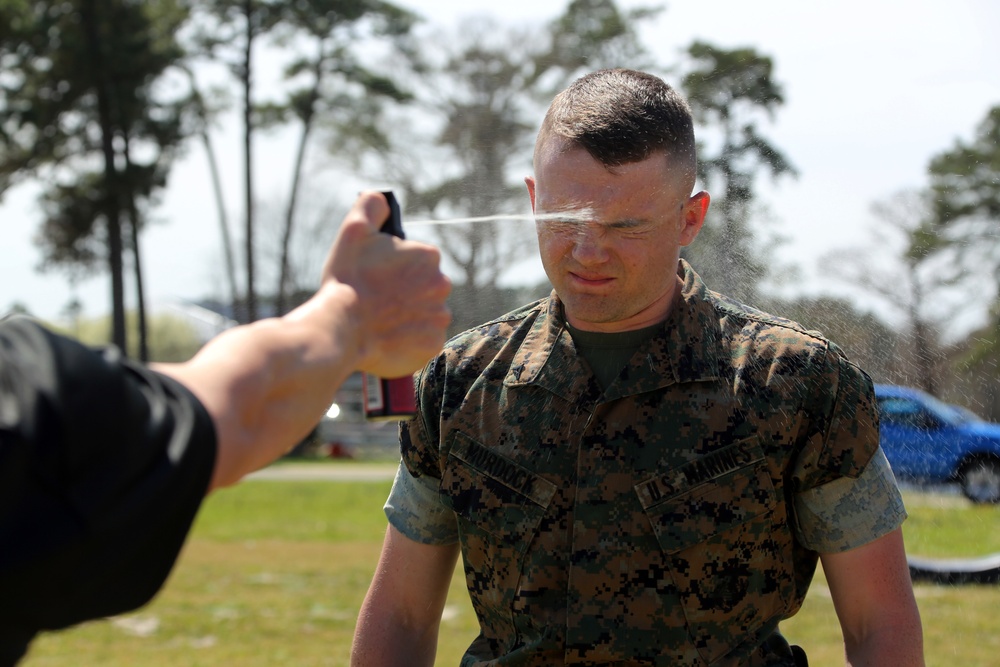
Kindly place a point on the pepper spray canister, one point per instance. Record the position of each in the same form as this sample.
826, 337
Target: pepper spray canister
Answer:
389, 399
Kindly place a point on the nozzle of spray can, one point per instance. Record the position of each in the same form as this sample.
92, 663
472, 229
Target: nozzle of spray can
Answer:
389, 399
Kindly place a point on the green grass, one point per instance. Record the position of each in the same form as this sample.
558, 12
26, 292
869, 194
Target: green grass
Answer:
950, 526
275, 573
296, 512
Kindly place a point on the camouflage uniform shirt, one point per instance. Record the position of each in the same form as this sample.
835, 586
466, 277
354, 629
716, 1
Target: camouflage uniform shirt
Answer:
651, 523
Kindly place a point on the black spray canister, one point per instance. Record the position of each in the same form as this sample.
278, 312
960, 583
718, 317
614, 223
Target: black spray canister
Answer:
389, 399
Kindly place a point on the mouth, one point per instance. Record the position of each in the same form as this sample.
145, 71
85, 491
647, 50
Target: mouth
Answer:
585, 280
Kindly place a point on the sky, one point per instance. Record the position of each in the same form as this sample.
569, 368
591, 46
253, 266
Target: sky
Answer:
873, 89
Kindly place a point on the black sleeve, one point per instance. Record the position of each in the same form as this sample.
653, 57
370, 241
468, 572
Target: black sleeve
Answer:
103, 465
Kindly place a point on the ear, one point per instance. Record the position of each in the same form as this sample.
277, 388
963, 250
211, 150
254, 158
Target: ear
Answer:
693, 216
530, 182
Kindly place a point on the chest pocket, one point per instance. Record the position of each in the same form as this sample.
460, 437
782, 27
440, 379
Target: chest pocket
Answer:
493, 494
712, 519
499, 505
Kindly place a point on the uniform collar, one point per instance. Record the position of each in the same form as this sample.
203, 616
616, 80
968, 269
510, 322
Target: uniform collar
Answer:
686, 350
548, 359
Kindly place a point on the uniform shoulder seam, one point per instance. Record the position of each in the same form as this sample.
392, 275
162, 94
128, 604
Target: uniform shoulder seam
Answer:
742, 311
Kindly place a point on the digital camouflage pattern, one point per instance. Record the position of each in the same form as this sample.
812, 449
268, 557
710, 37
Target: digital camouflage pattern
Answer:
649, 524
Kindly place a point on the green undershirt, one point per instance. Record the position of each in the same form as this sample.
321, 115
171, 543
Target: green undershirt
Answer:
608, 353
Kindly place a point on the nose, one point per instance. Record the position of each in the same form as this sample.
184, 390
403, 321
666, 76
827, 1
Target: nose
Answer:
589, 244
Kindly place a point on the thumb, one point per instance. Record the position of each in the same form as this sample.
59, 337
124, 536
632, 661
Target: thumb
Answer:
360, 225
371, 207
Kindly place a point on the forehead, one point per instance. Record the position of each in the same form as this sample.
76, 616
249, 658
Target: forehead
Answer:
569, 179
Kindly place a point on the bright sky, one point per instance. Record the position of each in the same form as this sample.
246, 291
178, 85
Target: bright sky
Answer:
873, 89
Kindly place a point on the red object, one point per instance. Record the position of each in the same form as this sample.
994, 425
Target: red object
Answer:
393, 399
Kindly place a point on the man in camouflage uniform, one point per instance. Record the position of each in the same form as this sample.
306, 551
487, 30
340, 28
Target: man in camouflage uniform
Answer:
637, 470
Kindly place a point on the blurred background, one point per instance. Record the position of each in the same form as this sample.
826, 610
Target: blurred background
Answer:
171, 167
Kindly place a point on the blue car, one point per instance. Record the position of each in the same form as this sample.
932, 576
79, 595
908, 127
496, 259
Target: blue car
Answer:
926, 440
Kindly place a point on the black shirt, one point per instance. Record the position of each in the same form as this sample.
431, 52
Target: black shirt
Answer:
103, 465
608, 353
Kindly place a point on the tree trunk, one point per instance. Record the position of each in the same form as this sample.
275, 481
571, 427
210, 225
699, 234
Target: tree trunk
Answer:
293, 195
140, 291
251, 297
923, 341
89, 14
227, 242
220, 200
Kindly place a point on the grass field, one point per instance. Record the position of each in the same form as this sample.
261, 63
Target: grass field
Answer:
275, 572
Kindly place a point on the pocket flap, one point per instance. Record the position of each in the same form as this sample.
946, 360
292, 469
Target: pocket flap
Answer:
708, 496
494, 493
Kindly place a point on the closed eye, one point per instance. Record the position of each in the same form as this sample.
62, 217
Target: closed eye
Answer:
630, 228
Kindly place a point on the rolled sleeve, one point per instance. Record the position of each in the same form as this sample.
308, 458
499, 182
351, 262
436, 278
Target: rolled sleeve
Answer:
414, 508
850, 512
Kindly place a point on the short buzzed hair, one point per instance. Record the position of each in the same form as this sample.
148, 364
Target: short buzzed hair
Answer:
621, 116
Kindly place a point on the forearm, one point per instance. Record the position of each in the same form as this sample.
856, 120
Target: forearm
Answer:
384, 641
893, 645
399, 620
873, 596
268, 384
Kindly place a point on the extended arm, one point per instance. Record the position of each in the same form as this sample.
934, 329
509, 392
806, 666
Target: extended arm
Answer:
380, 308
399, 619
873, 596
